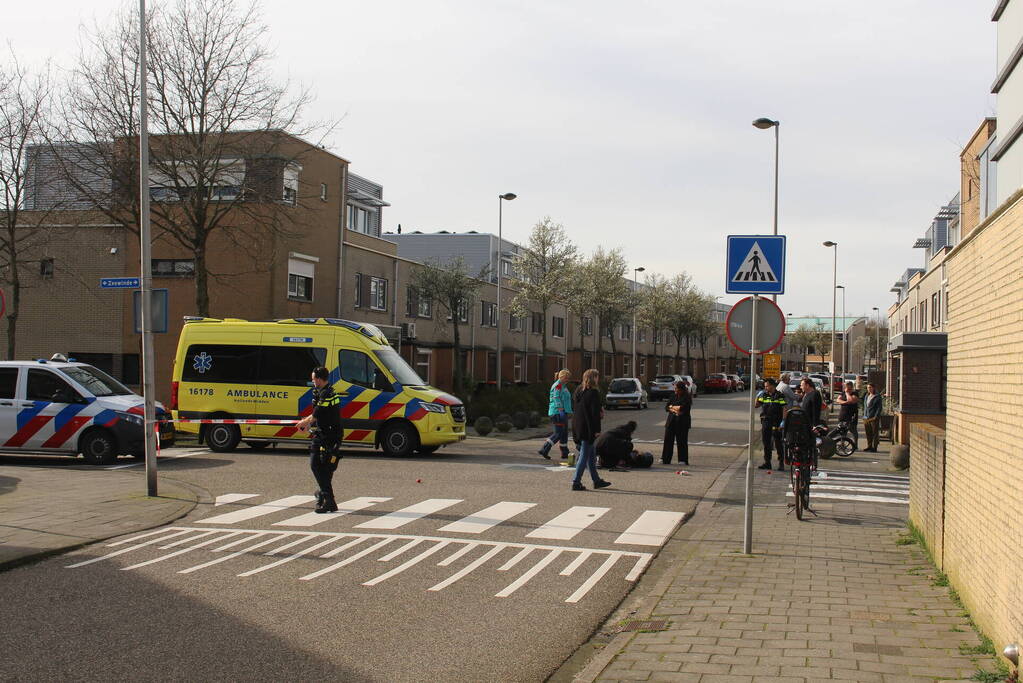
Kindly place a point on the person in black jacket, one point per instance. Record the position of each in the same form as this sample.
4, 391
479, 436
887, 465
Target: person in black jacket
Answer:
811, 402
676, 428
586, 425
615, 446
324, 426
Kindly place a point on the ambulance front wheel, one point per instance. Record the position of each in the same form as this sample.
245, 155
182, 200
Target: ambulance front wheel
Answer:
399, 439
98, 447
223, 438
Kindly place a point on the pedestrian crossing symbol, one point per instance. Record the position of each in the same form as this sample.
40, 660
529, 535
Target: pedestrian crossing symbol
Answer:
756, 264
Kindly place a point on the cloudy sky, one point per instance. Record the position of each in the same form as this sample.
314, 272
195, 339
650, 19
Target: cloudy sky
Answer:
630, 122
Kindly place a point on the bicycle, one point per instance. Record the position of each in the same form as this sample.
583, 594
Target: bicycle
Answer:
842, 436
801, 454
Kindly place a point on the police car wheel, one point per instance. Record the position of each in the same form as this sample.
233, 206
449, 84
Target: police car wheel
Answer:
399, 439
223, 438
99, 448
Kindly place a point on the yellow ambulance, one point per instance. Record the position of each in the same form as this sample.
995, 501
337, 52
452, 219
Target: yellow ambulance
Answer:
234, 369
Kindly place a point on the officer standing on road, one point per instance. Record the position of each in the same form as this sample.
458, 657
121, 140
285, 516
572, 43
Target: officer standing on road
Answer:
324, 426
772, 412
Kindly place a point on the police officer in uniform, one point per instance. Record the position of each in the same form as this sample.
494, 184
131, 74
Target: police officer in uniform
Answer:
772, 412
324, 426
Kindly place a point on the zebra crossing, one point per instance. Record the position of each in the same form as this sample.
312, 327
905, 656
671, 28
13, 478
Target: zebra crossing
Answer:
859, 487
292, 537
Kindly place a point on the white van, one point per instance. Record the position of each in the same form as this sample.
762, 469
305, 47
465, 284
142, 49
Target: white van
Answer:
61, 407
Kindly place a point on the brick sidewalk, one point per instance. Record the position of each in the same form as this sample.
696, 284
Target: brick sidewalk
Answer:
833, 598
44, 510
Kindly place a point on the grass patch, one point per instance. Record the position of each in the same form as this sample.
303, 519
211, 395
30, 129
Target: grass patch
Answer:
905, 540
940, 579
956, 629
986, 647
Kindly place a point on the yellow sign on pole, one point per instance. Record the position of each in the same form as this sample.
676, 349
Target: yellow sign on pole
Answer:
772, 365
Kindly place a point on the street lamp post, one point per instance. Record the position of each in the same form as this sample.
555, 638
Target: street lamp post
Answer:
635, 288
506, 197
764, 123
845, 338
834, 306
877, 338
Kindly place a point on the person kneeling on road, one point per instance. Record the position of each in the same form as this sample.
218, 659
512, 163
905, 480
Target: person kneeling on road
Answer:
324, 425
614, 447
772, 412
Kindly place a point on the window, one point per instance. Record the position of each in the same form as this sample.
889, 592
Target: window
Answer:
423, 363
642, 366
642, 334
624, 332
46, 268
517, 363
173, 267
558, 327
536, 323
360, 219
358, 290
463, 311
587, 326
416, 305
488, 314
936, 309
399, 369
606, 331
289, 366
301, 270
290, 195
221, 181
103, 361
8, 382
43, 385
515, 322
923, 316
356, 368
378, 293
323, 192
505, 268
222, 363
626, 366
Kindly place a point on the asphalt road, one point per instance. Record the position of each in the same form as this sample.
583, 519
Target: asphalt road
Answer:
477, 562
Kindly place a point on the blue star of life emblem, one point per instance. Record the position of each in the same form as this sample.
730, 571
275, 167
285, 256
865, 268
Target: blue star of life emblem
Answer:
203, 362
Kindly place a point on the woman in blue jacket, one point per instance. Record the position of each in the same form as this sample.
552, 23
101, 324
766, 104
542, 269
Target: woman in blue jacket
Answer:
559, 410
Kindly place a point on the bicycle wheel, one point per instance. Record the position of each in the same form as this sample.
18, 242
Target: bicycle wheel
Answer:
797, 491
845, 446
805, 487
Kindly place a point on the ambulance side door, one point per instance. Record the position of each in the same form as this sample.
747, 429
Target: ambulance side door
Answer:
367, 395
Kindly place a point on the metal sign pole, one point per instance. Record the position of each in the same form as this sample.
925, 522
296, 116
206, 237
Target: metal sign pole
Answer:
747, 534
148, 366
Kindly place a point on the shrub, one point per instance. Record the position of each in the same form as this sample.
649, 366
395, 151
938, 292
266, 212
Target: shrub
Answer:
534, 418
504, 424
503, 417
520, 420
512, 399
484, 425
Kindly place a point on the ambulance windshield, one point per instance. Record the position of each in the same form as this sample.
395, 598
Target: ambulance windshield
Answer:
397, 366
97, 382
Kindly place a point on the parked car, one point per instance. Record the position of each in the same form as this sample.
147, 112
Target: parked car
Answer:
626, 391
746, 380
62, 407
737, 383
717, 382
795, 377
663, 386
692, 385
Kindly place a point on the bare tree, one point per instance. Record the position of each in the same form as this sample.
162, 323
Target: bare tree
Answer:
24, 102
450, 286
607, 293
544, 270
224, 171
655, 307
817, 338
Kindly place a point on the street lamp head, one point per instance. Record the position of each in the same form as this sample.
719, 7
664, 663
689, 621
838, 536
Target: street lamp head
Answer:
765, 123
509, 196
829, 243
839, 286
874, 308
640, 269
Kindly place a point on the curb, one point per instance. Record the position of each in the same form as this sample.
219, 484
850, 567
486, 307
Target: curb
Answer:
199, 495
640, 605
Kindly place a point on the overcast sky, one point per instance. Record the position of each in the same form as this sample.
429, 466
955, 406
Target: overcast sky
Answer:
630, 122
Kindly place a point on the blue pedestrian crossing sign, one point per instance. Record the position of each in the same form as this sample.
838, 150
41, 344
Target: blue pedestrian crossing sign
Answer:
756, 264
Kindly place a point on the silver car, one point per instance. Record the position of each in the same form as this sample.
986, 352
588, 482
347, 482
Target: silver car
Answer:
626, 392
663, 386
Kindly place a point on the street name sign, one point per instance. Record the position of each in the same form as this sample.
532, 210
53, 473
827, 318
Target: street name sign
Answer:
120, 283
755, 264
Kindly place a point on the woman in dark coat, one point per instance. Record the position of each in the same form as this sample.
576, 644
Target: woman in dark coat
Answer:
586, 425
676, 427
615, 446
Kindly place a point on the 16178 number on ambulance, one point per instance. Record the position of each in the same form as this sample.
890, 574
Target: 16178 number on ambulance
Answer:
241, 370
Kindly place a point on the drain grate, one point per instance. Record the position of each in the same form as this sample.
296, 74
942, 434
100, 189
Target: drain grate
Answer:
652, 625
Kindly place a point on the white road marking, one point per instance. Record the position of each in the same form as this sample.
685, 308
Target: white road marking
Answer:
410, 563
853, 497
576, 563
258, 510
233, 555
487, 518
289, 558
122, 551
348, 560
569, 523
233, 498
179, 552
288, 546
400, 518
186, 540
860, 489
243, 540
136, 538
851, 473
345, 508
395, 553
592, 581
161, 458
637, 569
652, 528
533, 571
337, 551
469, 568
458, 554
515, 560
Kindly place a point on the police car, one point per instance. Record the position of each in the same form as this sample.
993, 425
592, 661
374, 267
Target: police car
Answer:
61, 407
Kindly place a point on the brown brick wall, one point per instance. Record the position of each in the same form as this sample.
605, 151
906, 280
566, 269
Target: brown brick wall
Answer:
927, 487
983, 546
